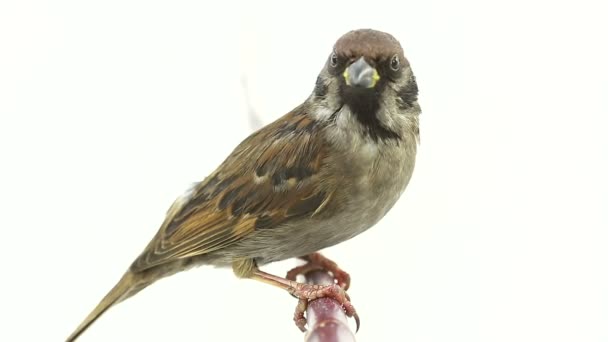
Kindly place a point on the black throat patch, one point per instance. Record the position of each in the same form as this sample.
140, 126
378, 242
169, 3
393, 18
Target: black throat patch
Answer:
364, 104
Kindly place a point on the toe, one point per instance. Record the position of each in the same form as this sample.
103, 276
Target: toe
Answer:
298, 316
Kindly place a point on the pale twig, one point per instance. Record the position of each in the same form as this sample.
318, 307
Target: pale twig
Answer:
255, 122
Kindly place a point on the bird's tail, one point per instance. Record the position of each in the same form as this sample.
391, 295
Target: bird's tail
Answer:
125, 288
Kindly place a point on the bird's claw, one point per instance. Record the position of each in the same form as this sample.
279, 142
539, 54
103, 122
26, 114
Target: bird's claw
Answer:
298, 316
317, 261
308, 292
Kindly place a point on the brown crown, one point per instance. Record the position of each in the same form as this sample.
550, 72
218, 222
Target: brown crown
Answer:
372, 44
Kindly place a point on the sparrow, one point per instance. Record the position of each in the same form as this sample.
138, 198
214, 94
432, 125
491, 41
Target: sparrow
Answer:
319, 175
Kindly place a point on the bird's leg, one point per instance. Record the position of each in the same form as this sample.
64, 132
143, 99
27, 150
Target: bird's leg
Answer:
308, 292
316, 261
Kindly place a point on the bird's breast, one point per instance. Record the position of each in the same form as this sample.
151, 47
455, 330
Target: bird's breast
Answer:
378, 177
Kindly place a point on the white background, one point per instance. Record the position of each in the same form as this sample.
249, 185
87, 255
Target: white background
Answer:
110, 109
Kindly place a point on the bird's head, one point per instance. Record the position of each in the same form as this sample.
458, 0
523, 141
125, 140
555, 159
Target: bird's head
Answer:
368, 73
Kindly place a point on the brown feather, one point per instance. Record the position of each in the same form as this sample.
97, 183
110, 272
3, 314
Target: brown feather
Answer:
269, 179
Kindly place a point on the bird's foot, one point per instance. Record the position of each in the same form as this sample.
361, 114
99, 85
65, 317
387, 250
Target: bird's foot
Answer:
308, 292
316, 261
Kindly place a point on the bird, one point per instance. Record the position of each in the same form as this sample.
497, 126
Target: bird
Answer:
321, 174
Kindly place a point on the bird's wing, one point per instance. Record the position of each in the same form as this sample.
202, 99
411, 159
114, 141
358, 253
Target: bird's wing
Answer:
271, 177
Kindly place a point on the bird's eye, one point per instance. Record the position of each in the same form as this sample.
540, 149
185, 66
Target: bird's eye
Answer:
333, 60
395, 65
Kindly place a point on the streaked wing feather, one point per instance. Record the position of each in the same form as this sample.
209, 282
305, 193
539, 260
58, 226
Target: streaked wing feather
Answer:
270, 178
